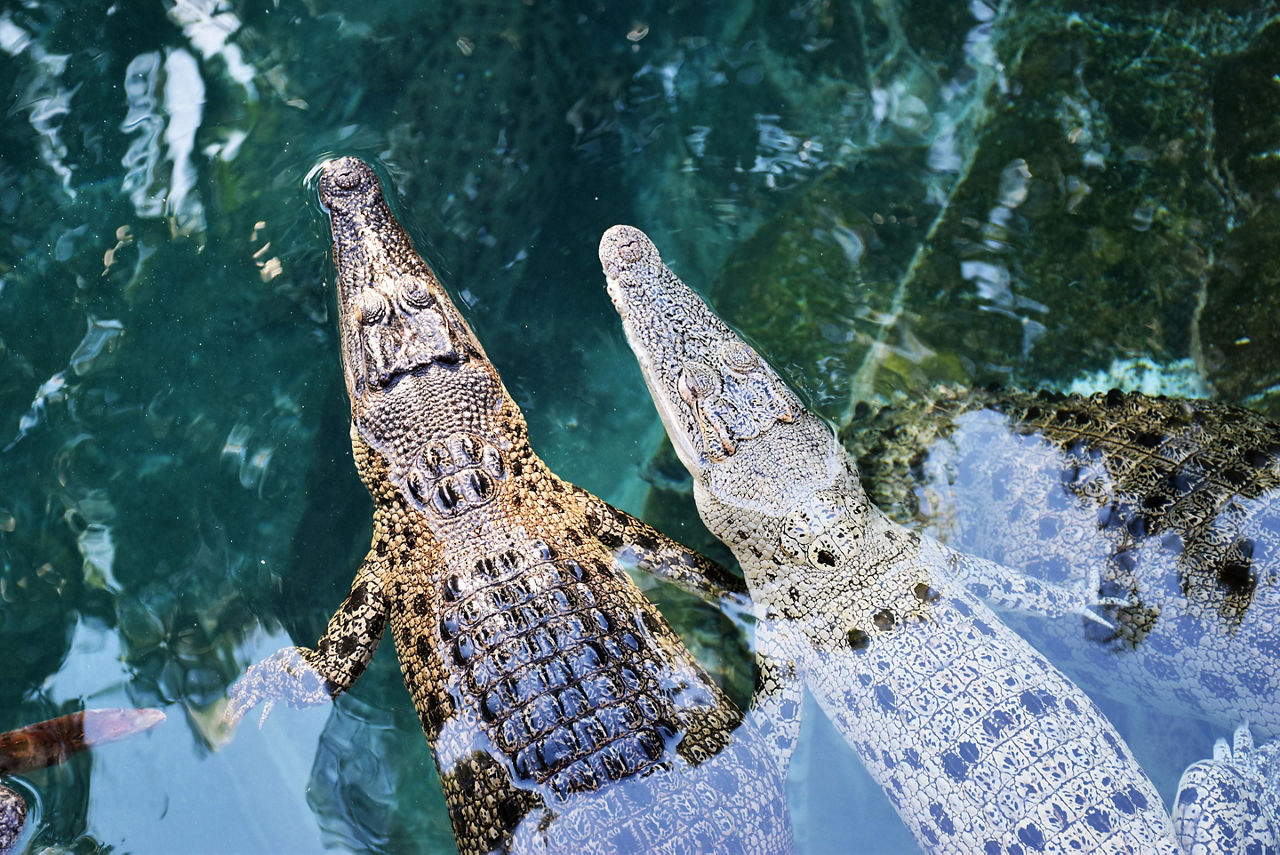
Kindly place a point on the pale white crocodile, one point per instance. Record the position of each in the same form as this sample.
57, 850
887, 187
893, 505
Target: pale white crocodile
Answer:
980, 743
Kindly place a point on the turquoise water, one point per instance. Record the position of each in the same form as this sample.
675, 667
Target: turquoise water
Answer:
881, 195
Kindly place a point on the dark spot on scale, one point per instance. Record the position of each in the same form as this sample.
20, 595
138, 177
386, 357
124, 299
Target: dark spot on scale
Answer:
421, 605
1235, 576
451, 590
1114, 398
1098, 820
1032, 837
826, 558
883, 620
1149, 439
380, 547
465, 777
941, 819
858, 640
347, 645
955, 766
1235, 477
1257, 458
410, 540
645, 541
924, 593
510, 812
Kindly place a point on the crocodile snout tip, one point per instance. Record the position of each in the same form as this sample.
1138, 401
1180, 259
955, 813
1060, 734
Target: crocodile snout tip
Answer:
625, 248
345, 176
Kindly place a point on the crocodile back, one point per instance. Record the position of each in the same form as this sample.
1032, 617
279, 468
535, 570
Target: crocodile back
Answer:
1168, 506
562, 709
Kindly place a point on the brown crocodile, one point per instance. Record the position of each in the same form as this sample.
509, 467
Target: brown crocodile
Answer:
1168, 509
562, 711
48, 743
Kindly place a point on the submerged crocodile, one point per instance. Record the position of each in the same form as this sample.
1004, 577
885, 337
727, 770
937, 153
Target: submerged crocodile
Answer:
979, 742
562, 711
1170, 508
48, 743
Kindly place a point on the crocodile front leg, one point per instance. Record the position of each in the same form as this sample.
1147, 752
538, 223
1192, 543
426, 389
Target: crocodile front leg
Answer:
778, 697
305, 677
1228, 804
639, 544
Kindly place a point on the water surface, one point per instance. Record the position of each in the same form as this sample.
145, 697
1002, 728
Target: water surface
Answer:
881, 195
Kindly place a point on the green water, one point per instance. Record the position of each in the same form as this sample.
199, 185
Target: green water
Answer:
880, 194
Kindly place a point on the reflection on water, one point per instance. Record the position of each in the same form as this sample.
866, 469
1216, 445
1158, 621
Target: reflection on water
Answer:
885, 195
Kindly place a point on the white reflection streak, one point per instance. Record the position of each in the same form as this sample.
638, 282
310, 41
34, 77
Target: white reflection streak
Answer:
208, 24
183, 97
51, 391
184, 102
45, 97
782, 153
143, 153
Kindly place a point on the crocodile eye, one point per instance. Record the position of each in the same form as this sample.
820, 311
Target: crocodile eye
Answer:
372, 307
416, 293
697, 381
739, 356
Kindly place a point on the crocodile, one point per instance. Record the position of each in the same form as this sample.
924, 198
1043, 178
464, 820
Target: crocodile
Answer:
1227, 804
562, 711
48, 743
979, 742
1169, 508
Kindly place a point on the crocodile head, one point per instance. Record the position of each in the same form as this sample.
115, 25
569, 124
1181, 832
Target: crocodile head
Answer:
423, 393
395, 317
749, 443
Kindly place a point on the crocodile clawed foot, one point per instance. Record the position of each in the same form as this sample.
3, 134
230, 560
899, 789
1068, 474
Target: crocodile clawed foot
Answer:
285, 675
1088, 613
1233, 796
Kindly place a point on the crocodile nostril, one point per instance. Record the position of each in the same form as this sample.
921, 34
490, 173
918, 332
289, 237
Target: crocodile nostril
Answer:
346, 177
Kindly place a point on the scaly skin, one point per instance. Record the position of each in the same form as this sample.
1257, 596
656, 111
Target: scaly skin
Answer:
979, 742
48, 743
563, 712
1169, 505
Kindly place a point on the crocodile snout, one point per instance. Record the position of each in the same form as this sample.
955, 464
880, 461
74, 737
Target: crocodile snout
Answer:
345, 178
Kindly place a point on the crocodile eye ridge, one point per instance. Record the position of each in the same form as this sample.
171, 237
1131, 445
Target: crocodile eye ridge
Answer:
415, 292
697, 381
373, 307
738, 356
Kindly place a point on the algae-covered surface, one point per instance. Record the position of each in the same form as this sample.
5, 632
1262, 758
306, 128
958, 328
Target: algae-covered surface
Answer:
881, 195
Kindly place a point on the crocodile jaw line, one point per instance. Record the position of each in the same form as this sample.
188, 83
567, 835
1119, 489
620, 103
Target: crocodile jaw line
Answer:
673, 411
